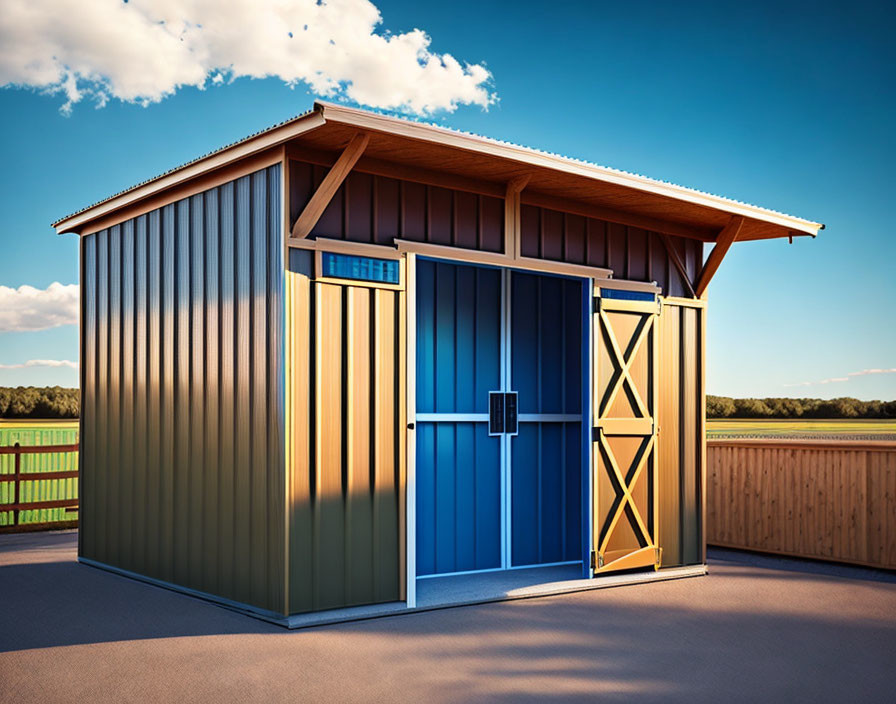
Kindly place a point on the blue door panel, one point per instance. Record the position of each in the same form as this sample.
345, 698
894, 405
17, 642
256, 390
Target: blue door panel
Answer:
546, 343
458, 498
426, 337
546, 459
426, 498
458, 464
487, 367
458, 337
546, 494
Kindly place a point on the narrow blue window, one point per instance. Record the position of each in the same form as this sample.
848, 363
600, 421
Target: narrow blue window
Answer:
621, 295
348, 266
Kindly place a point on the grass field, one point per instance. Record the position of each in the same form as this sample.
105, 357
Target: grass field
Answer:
39, 432
826, 429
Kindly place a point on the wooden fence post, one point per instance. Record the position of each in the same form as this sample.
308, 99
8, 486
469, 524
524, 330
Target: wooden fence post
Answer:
17, 471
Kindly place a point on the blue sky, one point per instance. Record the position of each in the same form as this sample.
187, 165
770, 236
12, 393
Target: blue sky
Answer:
785, 106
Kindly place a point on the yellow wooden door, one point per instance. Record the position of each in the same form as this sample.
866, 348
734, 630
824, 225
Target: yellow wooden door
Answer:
624, 481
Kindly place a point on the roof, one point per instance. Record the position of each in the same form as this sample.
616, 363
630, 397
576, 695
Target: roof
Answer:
478, 163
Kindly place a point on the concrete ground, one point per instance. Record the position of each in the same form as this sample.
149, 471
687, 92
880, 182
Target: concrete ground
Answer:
755, 629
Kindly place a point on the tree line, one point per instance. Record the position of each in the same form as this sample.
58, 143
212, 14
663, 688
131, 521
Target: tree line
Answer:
39, 402
724, 407
59, 402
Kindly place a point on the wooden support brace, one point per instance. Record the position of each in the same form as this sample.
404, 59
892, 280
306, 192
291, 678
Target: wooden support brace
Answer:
512, 215
328, 187
723, 242
676, 260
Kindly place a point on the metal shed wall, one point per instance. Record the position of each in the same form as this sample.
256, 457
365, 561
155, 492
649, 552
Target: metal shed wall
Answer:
182, 459
682, 448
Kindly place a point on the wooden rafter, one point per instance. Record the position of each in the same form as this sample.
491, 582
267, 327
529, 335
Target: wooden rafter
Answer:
723, 242
328, 187
676, 260
512, 214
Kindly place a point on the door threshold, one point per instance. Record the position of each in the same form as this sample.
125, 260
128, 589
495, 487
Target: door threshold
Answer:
487, 587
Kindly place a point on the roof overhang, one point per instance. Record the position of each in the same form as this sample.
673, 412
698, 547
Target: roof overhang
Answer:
469, 162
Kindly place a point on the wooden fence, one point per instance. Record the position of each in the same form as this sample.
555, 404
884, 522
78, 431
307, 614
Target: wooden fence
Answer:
18, 478
807, 498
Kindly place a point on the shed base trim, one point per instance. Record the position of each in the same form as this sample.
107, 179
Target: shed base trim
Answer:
248, 610
465, 590
490, 587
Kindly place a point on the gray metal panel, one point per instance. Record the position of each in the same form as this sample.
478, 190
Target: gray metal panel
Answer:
183, 382
87, 488
680, 441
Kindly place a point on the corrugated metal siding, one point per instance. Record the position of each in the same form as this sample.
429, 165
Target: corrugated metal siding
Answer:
376, 209
182, 377
346, 442
681, 435
632, 253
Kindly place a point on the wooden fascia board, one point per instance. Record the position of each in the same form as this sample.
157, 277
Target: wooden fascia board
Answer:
237, 152
482, 145
676, 260
328, 187
723, 243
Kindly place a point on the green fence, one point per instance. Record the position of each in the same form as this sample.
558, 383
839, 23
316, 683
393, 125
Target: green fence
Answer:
38, 433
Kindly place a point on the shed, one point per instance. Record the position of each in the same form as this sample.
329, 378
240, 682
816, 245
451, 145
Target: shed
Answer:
355, 364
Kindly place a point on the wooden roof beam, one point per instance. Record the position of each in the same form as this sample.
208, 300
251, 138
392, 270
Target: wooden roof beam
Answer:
328, 187
512, 226
723, 243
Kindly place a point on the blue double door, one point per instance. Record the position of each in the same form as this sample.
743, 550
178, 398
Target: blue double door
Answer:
497, 500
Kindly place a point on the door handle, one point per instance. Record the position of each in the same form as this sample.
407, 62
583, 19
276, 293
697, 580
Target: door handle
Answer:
511, 415
495, 413
503, 413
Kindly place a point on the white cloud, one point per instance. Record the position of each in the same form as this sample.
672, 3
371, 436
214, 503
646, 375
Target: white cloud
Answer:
53, 363
27, 308
144, 50
840, 379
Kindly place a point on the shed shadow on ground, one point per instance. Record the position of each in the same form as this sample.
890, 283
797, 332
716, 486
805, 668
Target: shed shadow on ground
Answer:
750, 633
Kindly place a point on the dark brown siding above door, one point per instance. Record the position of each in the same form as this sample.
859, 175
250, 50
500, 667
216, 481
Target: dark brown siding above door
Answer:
631, 252
377, 209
